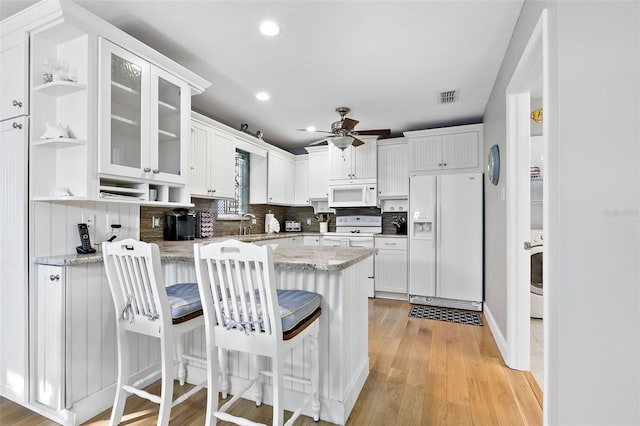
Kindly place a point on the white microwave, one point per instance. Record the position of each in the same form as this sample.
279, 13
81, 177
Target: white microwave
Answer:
353, 195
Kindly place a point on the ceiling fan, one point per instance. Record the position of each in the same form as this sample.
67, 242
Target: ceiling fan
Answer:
343, 133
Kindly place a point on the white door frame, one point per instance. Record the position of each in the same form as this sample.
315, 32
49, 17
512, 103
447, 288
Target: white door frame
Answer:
532, 65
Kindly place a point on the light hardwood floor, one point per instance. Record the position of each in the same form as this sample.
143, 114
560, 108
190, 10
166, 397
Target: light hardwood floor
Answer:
423, 372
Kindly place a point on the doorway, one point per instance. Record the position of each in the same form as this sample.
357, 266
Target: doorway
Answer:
529, 81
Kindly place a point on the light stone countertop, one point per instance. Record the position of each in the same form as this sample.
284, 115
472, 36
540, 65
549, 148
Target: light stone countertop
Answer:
285, 257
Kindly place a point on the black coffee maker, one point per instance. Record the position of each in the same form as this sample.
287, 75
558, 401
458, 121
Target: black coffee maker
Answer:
180, 225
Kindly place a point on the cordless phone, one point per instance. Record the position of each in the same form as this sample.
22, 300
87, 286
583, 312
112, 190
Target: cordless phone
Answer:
85, 241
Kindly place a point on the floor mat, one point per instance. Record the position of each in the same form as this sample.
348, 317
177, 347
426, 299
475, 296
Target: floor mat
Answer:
444, 314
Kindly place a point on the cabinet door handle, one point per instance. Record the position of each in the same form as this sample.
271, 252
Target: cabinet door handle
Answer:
54, 277
17, 125
147, 169
155, 171
213, 190
17, 103
445, 164
389, 244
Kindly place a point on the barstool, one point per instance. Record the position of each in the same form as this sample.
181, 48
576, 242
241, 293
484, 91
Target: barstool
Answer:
143, 305
244, 312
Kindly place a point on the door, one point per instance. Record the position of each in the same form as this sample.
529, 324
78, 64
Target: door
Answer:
199, 153
340, 163
170, 112
460, 150
365, 160
422, 232
14, 328
459, 239
123, 112
14, 67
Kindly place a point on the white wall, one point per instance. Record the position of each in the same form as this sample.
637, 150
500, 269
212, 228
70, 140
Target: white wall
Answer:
592, 235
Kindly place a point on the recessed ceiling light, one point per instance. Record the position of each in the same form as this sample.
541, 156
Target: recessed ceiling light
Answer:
310, 129
269, 28
262, 96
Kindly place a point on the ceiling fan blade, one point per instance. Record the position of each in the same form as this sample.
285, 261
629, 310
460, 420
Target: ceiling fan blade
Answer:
315, 131
348, 124
383, 133
318, 142
356, 142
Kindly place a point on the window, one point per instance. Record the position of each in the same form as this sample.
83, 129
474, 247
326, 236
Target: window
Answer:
234, 209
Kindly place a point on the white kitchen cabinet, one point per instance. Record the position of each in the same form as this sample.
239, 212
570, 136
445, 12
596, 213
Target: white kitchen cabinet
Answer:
354, 162
14, 66
391, 267
14, 263
211, 161
75, 342
50, 337
318, 176
450, 148
272, 178
311, 240
301, 181
393, 177
144, 116
277, 178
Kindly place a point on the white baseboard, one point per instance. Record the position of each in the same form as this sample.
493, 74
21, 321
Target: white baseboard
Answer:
497, 334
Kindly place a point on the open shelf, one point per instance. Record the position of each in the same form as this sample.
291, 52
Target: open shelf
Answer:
60, 88
56, 143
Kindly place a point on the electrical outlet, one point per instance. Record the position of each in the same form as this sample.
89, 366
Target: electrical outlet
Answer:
112, 219
155, 222
308, 221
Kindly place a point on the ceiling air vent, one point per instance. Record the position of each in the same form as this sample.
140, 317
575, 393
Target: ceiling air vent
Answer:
449, 97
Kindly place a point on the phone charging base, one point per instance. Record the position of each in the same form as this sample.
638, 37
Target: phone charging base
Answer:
81, 250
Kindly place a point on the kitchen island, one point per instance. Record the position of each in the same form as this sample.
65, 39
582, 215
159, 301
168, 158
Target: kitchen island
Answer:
337, 273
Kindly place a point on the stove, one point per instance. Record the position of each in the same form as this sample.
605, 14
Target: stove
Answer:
358, 225
356, 231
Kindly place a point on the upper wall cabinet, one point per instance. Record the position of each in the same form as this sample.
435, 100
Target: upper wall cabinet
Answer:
14, 66
211, 160
450, 148
393, 178
144, 117
353, 162
318, 176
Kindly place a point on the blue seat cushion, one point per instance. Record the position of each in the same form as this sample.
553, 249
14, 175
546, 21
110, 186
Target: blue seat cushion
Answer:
298, 308
184, 300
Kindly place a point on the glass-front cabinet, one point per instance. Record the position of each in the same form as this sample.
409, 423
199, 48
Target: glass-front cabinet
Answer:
144, 118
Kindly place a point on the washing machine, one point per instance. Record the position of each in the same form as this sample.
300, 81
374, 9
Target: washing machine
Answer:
535, 285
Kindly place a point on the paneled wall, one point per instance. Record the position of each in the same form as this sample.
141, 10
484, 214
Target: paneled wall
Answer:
55, 224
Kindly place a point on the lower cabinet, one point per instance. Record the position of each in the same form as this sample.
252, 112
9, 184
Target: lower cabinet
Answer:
311, 240
391, 267
75, 343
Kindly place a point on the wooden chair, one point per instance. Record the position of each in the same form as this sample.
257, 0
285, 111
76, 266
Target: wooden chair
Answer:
145, 306
244, 312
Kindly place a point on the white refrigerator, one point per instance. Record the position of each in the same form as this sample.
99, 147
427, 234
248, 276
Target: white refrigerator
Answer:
446, 240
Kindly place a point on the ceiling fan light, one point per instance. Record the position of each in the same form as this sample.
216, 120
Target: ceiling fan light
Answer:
341, 142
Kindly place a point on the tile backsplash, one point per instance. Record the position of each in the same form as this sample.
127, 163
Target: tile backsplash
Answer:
282, 213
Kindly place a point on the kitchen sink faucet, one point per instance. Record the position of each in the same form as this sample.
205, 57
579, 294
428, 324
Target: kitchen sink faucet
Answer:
243, 230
